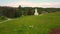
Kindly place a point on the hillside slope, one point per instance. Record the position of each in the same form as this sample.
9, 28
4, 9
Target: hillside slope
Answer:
31, 24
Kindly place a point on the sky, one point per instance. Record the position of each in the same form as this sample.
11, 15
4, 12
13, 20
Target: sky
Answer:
31, 3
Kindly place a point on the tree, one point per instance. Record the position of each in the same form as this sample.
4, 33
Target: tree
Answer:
18, 11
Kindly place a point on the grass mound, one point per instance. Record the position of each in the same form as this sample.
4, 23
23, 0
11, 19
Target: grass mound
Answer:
31, 24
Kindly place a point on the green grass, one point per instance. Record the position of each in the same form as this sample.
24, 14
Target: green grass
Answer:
41, 24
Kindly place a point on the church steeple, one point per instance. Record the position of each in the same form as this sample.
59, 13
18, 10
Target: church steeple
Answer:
36, 13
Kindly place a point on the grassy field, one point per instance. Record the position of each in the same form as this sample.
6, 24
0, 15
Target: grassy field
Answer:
31, 24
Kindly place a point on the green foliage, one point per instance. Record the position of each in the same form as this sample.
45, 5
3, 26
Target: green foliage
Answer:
13, 12
18, 12
2, 18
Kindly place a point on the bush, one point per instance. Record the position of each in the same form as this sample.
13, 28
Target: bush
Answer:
3, 18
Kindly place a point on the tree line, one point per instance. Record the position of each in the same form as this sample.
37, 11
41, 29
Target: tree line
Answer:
13, 12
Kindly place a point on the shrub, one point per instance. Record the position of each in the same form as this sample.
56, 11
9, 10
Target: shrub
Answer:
3, 18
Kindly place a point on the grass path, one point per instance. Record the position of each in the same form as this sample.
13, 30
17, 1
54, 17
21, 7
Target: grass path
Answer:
5, 21
41, 15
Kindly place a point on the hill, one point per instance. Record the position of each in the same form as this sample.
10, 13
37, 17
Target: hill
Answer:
41, 24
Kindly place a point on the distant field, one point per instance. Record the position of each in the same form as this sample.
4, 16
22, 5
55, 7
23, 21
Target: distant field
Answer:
31, 24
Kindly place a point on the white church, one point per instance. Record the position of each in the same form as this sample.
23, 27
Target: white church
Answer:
36, 13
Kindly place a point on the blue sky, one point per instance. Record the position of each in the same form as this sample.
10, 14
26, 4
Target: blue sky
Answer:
31, 3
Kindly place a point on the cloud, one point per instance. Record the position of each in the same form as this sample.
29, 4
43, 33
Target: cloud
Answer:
31, 4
